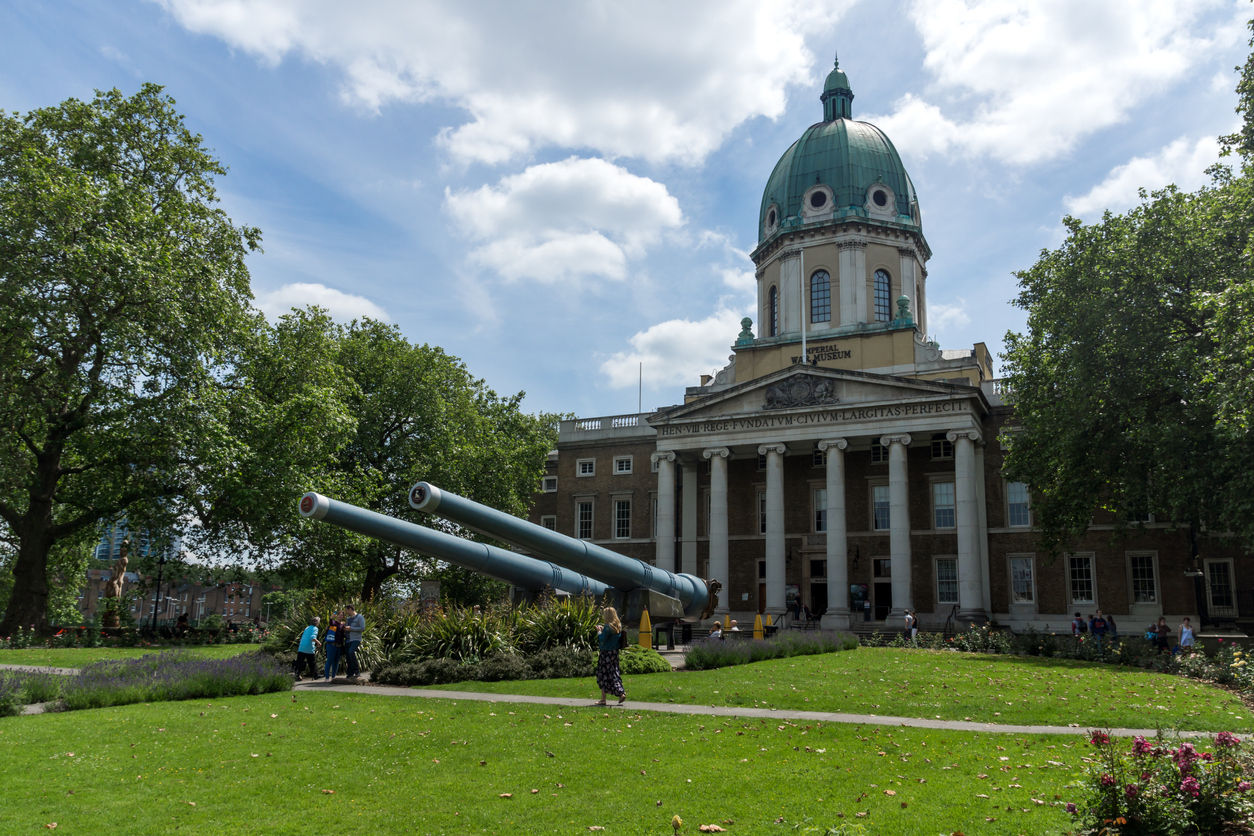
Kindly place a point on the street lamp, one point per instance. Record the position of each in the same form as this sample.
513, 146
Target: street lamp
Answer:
157, 603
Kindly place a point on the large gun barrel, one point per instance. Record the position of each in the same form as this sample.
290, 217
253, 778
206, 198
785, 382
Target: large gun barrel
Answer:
520, 570
696, 597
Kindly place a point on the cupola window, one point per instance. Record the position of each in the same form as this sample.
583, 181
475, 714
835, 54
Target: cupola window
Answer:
773, 302
770, 218
883, 297
820, 297
818, 199
880, 197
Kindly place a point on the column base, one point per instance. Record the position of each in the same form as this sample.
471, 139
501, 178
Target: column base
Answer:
965, 618
836, 620
896, 619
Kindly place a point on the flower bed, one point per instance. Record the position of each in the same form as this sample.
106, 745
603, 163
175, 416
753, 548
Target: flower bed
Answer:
708, 654
96, 636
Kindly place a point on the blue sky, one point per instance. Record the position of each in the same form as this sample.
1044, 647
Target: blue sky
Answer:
557, 193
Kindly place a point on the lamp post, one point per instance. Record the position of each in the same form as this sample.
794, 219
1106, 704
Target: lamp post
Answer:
157, 602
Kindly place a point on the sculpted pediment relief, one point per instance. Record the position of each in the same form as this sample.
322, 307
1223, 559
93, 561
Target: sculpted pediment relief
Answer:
801, 390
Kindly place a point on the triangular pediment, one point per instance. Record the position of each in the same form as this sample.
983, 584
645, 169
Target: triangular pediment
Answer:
801, 388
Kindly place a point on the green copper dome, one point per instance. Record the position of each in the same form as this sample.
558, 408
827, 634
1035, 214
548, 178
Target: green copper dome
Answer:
845, 159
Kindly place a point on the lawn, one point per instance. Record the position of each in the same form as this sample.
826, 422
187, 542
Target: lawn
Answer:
289, 763
934, 684
77, 657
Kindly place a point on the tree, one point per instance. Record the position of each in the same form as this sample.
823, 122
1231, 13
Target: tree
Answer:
1134, 384
123, 298
419, 415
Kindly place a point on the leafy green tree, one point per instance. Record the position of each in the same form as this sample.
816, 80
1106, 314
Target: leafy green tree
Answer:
123, 296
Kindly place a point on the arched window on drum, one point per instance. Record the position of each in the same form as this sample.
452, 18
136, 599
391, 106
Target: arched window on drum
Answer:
820, 297
773, 313
883, 296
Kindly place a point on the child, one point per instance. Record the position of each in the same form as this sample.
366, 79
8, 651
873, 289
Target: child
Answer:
306, 649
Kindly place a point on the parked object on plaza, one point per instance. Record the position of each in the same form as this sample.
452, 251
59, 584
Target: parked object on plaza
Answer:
527, 573
642, 587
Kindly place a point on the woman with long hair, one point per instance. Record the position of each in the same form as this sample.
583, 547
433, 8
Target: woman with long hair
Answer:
609, 676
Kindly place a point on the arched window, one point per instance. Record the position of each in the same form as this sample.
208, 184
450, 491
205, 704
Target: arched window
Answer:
883, 297
820, 297
773, 313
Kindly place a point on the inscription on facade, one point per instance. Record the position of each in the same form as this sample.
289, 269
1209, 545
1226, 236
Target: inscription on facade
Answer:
827, 416
818, 354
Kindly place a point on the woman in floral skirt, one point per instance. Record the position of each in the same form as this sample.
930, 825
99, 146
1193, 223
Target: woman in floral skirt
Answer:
609, 676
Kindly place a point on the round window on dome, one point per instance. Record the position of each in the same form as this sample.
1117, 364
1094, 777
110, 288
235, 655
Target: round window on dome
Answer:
880, 197
770, 218
818, 199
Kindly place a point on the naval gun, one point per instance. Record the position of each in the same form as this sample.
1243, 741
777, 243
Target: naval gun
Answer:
666, 595
527, 573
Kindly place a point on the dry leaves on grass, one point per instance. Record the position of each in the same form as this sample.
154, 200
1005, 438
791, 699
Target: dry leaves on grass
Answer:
328, 792
711, 828
506, 795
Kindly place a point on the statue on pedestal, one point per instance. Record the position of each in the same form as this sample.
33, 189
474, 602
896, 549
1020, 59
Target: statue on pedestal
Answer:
113, 586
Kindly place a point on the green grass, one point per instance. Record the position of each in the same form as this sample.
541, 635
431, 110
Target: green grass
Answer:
260, 765
934, 684
77, 657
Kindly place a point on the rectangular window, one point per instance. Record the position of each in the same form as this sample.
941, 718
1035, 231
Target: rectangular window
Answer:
583, 520
942, 448
761, 512
549, 521
1144, 587
1022, 586
943, 504
882, 567
1019, 514
820, 509
820, 458
1219, 582
879, 502
879, 453
622, 518
1080, 577
586, 467
622, 464
761, 461
946, 580
548, 484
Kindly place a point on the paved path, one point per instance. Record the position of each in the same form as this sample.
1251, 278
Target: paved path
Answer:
38, 669
730, 711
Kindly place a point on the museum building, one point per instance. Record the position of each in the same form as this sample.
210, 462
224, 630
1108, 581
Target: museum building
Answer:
843, 458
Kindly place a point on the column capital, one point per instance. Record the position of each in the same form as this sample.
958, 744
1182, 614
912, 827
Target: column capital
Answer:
895, 438
838, 443
663, 456
775, 447
721, 452
954, 435
851, 244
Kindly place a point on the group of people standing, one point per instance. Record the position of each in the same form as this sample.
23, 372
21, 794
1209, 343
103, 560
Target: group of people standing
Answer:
341, 640
1101, 627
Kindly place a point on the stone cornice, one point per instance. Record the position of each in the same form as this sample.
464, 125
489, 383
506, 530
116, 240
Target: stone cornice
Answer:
851, 245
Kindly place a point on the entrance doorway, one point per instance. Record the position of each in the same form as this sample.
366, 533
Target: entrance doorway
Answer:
882, 587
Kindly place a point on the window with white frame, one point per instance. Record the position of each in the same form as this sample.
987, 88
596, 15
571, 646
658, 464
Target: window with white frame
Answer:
1219, 587
820, 510
946, 580
1144, 582
549, 521
622, 519
942, 447
549, 484
943, 505
761, 512
1018, 511
622, 464
883, 297
1022, 580
879, 453
1080, 578
583, 520
880, 507
585, 467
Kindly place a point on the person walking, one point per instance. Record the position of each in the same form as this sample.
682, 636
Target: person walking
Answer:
306, 648
1112, 630
1098, 628
609, 676
1162, 631
334, 644
909, 630
1186, 636
355, 623
914, 627
1078, 626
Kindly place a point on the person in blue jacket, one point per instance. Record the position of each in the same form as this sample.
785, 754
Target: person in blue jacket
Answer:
306, 649
609, 675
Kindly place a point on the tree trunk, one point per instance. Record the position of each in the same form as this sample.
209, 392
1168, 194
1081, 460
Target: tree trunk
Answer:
29, 602
377, 572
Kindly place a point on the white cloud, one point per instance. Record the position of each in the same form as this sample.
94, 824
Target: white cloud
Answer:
342, 306
1024, 82
561, 221
675, 352
1182, 163
653, 79
942, 318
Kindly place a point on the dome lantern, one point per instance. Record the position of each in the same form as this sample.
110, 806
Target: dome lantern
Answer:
837, 96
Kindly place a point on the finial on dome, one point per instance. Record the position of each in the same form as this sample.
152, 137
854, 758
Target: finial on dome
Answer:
836, 63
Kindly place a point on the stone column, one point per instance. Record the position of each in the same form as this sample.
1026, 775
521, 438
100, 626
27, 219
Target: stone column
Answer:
688, 523
718, 523
899, 528
774, 453
907, 278
970, 585
837, 616
981, 504
853, 280
789, 291
665, 510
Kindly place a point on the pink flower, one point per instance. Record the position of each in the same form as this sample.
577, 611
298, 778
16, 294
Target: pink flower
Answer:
1228, 740
1190, 786
1145, 776
1071, 808
1108, 780
1141, 746
1184, 757
1099, 738
1130, 791
1244, 786
1206, 756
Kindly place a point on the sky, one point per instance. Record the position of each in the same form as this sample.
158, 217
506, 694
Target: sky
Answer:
563, 194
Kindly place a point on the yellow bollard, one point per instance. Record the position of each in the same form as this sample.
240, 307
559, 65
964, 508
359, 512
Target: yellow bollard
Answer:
727, 622
757, 626
769, 622
646, 631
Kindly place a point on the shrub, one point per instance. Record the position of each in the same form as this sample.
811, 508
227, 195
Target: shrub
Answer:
567, 622
637, 660
41, 687
1165, 789
426, 672
10, 696
562, 663
504, 667
172, 675
708, 654
459, 634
